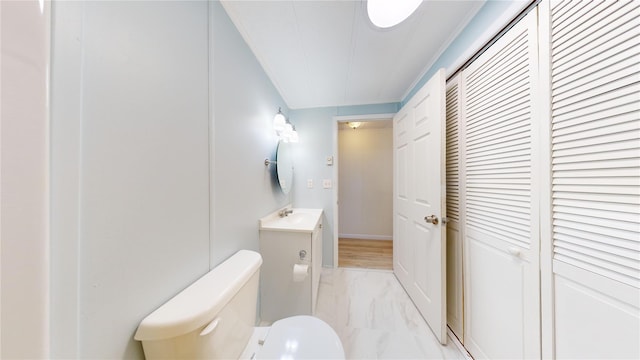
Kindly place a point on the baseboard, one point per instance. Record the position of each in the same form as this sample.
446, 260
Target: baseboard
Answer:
458, 344
365, 237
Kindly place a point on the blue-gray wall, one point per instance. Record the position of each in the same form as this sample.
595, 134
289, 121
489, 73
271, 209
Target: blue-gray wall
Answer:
244, 104
317, 141
161, 121
484, 25
142, 204
315, 126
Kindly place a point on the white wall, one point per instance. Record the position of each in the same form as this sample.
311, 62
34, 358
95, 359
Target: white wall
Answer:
365, 183
24, 189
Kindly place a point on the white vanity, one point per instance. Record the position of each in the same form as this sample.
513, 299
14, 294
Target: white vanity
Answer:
291, 248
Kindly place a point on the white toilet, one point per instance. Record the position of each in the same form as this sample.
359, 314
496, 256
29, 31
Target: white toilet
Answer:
214, 319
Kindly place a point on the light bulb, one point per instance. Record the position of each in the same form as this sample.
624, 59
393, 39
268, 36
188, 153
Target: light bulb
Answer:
294, 137
288, 128
279, 122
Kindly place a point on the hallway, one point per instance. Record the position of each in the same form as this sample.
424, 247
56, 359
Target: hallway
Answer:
367, 254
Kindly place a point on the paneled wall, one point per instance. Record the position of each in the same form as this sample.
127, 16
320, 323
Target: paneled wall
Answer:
135, 93
161, 121
24, 176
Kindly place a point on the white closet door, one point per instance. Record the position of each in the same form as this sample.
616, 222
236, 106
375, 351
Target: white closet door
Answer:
595, 135
454, 216
502, 308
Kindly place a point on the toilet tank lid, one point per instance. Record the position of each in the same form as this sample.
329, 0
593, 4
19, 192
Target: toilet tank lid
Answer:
199, 303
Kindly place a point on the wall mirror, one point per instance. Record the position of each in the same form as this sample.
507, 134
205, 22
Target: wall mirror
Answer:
284, 166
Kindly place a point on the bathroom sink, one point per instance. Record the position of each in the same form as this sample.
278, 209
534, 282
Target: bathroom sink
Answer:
299, 220
298, 217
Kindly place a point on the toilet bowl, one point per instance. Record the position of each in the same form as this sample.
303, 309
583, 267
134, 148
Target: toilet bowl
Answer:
214, 318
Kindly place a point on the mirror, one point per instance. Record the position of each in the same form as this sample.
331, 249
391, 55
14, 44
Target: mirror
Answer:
284, 166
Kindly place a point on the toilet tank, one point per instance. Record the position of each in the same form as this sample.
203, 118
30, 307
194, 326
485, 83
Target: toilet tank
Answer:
213, 318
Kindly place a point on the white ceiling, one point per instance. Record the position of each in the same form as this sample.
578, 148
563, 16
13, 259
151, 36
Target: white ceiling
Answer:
327, 53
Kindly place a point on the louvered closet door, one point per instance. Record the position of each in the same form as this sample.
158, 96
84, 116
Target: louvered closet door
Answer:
454, 229
595, 75
502, 312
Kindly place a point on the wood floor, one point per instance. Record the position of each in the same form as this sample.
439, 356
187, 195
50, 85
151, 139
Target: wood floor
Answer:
369, 254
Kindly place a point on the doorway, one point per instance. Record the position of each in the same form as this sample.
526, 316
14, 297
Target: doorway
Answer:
364, 203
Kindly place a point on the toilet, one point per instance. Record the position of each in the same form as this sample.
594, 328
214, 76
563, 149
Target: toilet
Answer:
214, 318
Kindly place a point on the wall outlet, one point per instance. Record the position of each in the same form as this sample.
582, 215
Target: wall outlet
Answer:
326, 183
309, 183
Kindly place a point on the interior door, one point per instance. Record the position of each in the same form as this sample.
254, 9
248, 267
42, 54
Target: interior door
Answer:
419, 178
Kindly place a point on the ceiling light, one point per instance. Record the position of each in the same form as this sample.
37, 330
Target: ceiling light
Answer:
354, 124
388, 13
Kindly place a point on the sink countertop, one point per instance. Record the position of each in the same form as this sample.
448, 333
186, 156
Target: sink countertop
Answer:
301, 220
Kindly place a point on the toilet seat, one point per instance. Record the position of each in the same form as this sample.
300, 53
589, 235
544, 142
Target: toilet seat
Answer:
301, 337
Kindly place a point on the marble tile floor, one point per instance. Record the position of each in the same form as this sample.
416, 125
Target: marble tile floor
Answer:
374, 317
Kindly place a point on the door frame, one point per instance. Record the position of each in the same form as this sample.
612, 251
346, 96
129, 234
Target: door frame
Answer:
336, 121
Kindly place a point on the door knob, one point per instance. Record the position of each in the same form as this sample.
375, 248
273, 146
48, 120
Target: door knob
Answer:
513, 251
432, 219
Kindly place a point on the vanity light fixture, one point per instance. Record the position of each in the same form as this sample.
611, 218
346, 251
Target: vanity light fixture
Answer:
387, 13
279, 121
294, 135
354, 124
285, 130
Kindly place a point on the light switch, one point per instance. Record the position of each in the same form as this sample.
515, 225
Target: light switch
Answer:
329, 160
309, 183
326, 183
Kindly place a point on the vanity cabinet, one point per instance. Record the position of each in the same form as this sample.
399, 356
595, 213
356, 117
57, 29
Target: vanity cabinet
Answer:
316, 263
285, 242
